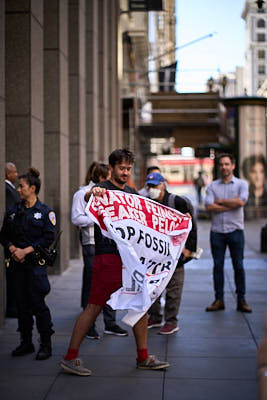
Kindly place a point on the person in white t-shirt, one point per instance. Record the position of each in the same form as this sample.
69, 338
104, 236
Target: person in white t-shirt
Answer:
97, 172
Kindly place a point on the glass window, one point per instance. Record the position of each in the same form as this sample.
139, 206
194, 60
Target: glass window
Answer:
261, 69
261, 37
261, 23
261, 54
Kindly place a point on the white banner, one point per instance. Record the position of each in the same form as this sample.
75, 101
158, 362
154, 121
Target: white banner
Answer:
149, 237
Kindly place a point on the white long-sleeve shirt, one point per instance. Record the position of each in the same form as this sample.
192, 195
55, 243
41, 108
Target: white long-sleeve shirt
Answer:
78, 216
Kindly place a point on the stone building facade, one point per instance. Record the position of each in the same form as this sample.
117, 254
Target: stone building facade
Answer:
256, 47
70, 74
59, 99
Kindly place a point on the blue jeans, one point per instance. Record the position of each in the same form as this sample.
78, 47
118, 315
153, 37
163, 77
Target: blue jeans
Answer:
235, 241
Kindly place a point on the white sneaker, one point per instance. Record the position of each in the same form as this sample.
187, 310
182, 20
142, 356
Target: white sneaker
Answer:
75, 366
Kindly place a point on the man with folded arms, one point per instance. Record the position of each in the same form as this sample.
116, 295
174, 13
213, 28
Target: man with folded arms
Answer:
225, 199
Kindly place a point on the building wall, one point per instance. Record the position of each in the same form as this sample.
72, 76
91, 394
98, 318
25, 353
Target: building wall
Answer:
77, 107
134, 31
24, 85
256, 43
59, 99
2, 153
92, 87
162, 41
234, 83
56, 114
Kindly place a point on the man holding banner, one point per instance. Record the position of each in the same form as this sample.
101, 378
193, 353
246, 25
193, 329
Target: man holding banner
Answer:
137, 244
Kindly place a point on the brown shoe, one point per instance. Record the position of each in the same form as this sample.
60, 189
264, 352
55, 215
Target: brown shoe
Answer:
216, 306
243, 306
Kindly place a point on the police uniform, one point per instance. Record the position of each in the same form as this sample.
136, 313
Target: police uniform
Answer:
23, 227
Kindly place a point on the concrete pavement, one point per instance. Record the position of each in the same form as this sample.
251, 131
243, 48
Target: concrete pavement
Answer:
213, 356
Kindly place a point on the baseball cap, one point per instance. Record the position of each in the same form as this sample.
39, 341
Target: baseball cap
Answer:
154, 178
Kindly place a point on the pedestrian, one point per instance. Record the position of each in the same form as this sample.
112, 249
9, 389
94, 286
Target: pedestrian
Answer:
157, 191
107, 278
97, 172
153, 168
27, 225
225, 200
199, 184
12, 198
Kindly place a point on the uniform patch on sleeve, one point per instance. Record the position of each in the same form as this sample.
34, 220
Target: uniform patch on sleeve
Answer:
52, 218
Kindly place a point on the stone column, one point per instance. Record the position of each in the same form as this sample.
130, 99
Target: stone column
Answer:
103, 9
77, 117
24, 85
2, 154
56, 112
92, 90
112, 72
118, 110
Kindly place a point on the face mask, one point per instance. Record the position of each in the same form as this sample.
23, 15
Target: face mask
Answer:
154, 193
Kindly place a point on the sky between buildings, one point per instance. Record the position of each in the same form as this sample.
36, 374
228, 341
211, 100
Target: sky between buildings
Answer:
220, 53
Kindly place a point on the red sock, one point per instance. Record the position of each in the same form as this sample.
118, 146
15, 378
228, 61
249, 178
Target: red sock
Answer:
71, 354
142, 354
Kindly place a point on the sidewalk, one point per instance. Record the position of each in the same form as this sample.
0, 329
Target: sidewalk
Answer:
213, 356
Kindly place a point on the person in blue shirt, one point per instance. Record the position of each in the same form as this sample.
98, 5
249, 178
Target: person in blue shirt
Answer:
27, 225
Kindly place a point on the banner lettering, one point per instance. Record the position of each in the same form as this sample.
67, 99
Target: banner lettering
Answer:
149, 237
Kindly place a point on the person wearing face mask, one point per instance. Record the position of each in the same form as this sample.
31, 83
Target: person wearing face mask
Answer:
144, 190
157, 191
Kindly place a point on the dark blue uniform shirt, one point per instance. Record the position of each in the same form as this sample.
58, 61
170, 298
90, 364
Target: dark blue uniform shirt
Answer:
32, 226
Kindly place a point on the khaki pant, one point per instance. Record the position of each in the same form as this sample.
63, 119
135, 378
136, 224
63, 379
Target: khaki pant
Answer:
173, 296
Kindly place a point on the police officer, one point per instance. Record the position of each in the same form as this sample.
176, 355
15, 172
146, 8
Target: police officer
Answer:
27, 225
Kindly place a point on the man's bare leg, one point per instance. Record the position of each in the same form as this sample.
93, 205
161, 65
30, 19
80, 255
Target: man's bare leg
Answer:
71, 363
140, 332
83, 323
144, 360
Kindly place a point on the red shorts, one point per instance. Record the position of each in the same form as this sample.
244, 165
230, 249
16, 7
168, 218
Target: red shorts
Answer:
106, 279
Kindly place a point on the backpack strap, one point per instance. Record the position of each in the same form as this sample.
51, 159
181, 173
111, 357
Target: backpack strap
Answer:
171, 200
189, 205
171, 203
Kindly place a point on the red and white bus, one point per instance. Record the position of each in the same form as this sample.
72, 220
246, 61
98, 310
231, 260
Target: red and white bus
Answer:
182, 170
